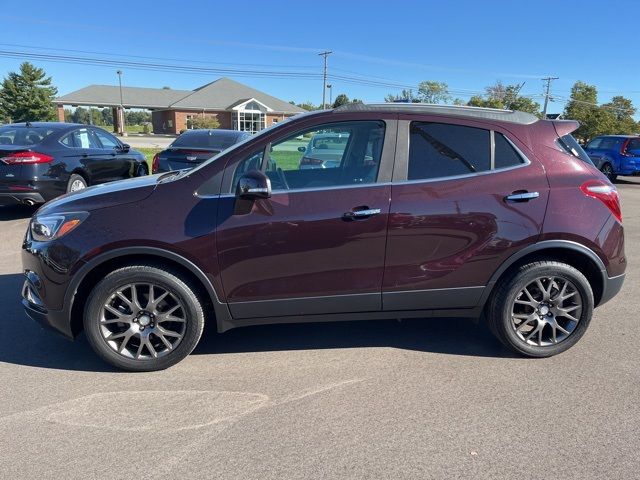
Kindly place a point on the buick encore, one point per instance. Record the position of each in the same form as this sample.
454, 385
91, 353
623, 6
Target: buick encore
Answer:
431, 211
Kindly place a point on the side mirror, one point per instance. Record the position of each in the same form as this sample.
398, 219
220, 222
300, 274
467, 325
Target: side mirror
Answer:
253, 185
302, 149
125, 147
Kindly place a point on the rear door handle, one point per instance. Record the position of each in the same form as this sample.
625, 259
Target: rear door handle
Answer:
357, 214
521, 196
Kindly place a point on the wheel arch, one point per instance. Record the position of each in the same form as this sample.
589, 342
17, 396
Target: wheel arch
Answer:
83, 173
571, 253
90, 274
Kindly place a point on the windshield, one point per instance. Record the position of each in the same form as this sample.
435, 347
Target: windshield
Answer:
570, 145
23, 136
206, 139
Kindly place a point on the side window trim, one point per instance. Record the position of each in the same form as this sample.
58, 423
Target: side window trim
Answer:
401, 166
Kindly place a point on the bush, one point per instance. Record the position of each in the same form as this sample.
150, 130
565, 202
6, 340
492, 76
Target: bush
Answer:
147, 128
204, 122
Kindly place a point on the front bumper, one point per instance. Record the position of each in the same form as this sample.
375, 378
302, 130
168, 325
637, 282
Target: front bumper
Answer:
55, 320
611, 288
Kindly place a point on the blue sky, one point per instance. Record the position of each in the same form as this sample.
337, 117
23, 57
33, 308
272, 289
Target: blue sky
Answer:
468, 44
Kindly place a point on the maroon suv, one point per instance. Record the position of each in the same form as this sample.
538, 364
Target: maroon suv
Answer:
428, 211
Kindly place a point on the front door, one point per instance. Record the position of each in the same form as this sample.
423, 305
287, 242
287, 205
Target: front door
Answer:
318, 244
464, 200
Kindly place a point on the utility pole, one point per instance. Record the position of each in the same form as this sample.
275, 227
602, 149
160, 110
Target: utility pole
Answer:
324, 54
121, 113
546, 95
330, 87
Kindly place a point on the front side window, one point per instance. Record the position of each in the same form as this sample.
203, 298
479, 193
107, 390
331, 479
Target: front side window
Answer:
345, 153
108, 141
441, 150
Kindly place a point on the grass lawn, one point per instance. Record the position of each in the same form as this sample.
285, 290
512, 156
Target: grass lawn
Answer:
149, 153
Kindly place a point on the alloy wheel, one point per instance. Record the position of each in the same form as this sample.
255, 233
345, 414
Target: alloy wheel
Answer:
546, 311
77, 185
143, 321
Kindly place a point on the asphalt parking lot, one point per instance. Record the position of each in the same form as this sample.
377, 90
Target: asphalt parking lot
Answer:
416, 399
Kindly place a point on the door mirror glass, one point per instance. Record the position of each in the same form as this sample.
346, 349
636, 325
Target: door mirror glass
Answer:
302, 149
253, 185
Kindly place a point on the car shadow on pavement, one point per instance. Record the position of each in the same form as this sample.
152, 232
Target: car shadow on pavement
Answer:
24, 342
452, 336
16, 212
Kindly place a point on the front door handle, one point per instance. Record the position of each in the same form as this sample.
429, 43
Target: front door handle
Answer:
358, 214
521, 196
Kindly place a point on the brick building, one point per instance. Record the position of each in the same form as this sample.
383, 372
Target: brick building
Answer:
235, 105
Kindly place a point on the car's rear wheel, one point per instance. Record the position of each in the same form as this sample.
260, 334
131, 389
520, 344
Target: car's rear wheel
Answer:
607, 169
541, 309
143, 318
76, 182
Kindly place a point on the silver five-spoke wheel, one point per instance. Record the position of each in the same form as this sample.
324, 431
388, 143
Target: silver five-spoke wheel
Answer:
143, 320
546, 311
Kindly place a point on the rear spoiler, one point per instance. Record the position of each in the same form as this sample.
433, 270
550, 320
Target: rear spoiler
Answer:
565, 127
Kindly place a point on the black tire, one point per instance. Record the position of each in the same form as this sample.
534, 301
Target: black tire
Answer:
73, 179
607, 169
141, 170
162, 278
501, 304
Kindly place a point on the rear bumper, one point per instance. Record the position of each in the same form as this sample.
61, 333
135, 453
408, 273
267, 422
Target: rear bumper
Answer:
13, 198
612, 286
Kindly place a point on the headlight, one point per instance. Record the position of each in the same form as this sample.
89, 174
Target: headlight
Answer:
49, 227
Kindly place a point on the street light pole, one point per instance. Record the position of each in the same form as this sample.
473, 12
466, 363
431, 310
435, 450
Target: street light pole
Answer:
121, 111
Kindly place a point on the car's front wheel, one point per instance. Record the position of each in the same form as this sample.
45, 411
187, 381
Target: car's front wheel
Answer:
143, 318
541, 309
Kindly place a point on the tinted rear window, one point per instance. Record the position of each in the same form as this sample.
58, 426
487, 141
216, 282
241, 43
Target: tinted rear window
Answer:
205, 139
569, 145
23, 136
634, 144
440, 150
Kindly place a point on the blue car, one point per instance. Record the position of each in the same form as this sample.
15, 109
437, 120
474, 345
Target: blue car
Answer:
615, 154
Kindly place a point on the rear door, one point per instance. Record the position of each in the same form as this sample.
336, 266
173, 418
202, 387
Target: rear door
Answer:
464, 199
318, 244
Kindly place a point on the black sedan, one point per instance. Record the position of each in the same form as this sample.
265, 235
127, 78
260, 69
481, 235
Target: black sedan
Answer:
194, 147
42, 160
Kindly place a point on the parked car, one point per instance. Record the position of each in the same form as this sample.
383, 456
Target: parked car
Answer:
432, 211
615, 154
42, 160
324, 150
193, 147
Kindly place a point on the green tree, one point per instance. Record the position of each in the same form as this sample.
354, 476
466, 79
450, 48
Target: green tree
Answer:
403, 96
583, 107
204, 122
80, 115
107, 116
623, 110
506, 97
28, 95
305, 105
433, 92
340, 100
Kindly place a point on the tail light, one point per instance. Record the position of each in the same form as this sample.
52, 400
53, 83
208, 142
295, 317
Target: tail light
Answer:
604, 192
26, 157
310, 161
155, 163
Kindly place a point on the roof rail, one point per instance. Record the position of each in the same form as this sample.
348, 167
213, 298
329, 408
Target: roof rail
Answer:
511, 116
